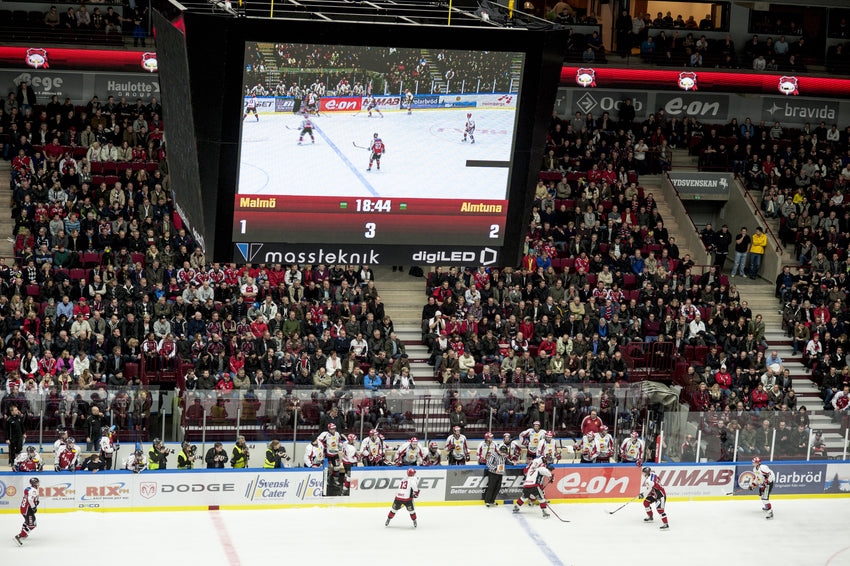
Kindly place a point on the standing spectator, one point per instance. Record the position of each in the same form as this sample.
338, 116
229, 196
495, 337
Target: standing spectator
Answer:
458, 418
26, 96
742, 249
759, 242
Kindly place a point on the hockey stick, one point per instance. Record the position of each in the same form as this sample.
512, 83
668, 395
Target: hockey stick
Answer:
552, 509
291, 128
738, 491
623, 505
358, 146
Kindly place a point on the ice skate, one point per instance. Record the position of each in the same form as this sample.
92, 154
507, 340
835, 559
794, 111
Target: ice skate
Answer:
19, 540
664, 526
769, 514
516, 508
546, 514
387, 522
415, 524
648, 519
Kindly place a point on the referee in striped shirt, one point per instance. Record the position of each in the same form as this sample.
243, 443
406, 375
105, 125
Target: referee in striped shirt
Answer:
495, 471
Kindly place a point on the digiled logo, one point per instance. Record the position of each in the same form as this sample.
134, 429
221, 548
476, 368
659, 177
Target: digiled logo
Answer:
788, 85
586, 77
688, 80
37, 58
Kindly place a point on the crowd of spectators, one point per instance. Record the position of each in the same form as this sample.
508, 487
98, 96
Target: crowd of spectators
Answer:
80, 22
475, 71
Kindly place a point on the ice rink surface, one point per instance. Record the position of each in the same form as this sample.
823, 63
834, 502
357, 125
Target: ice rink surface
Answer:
426, 157
803, 533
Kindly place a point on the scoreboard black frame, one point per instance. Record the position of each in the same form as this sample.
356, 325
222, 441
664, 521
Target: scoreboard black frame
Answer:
215, 48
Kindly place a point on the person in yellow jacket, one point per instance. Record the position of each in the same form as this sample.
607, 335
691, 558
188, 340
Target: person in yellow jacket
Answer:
240, 455
274, 455
757, 251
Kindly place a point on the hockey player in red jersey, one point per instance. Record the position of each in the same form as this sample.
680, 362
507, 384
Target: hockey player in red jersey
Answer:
535, 481
29, 505
408, 490
652, 491
27, 461
377, 149
469, 128
763, 479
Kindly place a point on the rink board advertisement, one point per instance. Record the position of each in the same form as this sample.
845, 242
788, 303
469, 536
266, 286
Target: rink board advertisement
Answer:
697, 481
170, 489
594, 482
469, 484
837, 479
374, 485
791, 478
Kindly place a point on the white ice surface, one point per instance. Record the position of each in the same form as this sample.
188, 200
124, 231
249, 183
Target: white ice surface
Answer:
722, 533
425, 157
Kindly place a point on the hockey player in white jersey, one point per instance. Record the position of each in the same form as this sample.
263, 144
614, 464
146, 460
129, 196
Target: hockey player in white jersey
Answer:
137, 462
306, 128
533, 487
408, 101
251, 107
410, 453
531, 440
314, 455
547, 446
457, 448
469, 128
514, 448
486, 448
654, 492
371, 104
373, 450
108, 445
313, 103
606, 446
587, 448
433, 457
408, 490
331, 443
763, 479
350, 456
632, 448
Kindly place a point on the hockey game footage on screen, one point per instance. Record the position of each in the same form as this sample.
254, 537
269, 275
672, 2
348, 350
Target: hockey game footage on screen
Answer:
377, 122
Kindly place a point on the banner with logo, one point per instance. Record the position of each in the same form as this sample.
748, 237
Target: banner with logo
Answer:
496, 100
144, 86
697, 481
341, 104
124, 490
426, 101
265, 104
792, 478
469, 484
837, 479
692, 183
284, 104
388, 102
600, 482
597, 102
457, 101
381, 484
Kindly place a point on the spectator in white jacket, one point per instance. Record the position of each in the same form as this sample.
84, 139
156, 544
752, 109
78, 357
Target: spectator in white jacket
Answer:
109, 152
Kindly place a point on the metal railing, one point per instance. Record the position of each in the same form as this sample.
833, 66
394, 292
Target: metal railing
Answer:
757, 209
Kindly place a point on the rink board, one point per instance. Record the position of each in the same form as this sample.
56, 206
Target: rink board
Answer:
439, 485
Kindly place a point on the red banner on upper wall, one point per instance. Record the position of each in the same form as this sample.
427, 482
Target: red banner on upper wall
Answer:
704, 81
78, 59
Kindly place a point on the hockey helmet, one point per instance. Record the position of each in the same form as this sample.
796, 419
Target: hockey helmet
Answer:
373, 432
414, 441
488, 436
456, 429
375, 135
31, 450
469, 114
536, 424
603, 429
331, 427
550, 434
635, 435
70, 440
352, 439
503, 449
138, 453
548, 458
507, 437
104, 430
756, 461
411, 472
646, 470
432, 445
34, 482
